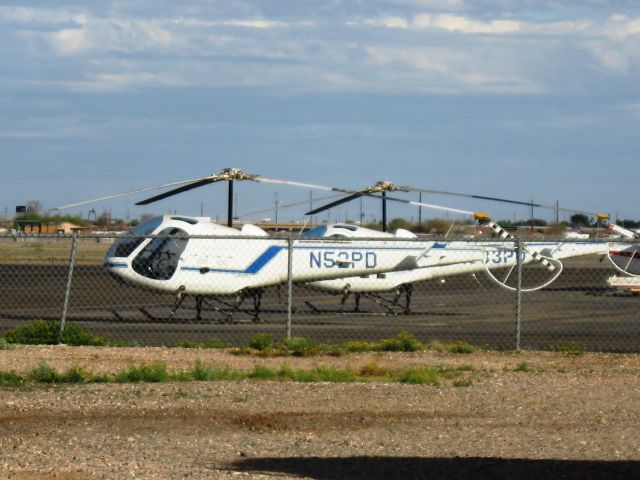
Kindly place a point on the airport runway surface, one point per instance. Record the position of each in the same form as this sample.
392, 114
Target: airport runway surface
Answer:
577, 308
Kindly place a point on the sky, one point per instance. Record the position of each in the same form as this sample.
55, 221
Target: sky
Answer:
529, 100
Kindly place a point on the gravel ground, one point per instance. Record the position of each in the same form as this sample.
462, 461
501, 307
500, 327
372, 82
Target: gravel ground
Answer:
566, 417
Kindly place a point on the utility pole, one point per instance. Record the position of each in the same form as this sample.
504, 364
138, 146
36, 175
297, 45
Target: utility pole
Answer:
531, 223
420, 209
275, 194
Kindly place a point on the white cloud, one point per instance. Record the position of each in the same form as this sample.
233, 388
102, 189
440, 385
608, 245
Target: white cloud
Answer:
609, 56
458, 23
71, 41
442, 69
413, 46
388, 22
116, 34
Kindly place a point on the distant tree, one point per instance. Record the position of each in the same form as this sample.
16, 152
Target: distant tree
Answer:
103, 220
629, 224
34, 206
436, 225
397, 223
374, 226
579, 220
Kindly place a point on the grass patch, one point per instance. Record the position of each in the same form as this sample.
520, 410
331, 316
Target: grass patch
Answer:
261, 342
44, 373
570, 348
76, 375
207, 373
300, 346
522, 367
420, 376
463, 383
156, 372
358, 347
47, 332
11, 379
151, 372
452, 347
402, 342
260, 372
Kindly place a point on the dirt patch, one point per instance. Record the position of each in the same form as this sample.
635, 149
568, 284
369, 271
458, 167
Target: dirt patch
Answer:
563, 416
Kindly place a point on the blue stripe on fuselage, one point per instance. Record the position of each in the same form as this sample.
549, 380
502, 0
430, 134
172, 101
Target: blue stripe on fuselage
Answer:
252, 269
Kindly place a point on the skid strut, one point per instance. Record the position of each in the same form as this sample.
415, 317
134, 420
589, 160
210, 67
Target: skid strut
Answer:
255, 293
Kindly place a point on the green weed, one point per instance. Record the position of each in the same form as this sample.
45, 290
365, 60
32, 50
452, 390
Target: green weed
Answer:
153, 372
358, 347
402, 342
299, 346
44, 373
47, 332
419, 376
570, 348
261, 342
11, 379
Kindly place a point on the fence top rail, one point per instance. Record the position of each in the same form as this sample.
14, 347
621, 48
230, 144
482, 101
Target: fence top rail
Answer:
419, 239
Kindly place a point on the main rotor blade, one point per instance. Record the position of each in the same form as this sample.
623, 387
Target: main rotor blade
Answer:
258, 178
504, 200
468, 195
429, 205
123, 194
286, 205
175, 191
337, 202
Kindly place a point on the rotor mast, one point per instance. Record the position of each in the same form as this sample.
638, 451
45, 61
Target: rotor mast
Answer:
382, 187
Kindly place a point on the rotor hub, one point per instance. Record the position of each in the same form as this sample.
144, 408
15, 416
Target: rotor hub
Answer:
233, 174
384, 186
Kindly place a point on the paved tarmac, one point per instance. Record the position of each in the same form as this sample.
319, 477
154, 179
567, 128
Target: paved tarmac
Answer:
577, 308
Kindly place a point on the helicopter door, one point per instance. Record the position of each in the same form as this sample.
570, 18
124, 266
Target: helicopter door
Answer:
159, 259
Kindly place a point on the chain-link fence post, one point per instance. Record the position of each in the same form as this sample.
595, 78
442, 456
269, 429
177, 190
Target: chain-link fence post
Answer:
289, 283
518, 291
67, 291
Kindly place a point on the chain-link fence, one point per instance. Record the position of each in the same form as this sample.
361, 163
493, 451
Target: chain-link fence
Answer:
166, 290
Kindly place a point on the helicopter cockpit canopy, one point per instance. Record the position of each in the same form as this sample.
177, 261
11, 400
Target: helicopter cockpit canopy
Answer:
158, 260
123, 247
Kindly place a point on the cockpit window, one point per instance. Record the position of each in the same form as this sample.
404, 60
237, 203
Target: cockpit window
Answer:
145, 228
123, 247
159, 259
315, 232
189, 220
346, 227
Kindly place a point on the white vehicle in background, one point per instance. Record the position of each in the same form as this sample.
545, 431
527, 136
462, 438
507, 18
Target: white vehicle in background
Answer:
453, 258
626, 259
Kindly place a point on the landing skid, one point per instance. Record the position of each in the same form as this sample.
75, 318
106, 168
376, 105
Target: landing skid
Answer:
392, 306
228, 316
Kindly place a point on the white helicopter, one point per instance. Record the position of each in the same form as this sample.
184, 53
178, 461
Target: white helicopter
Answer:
474, 257
241, 263
178, 259
625, 259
